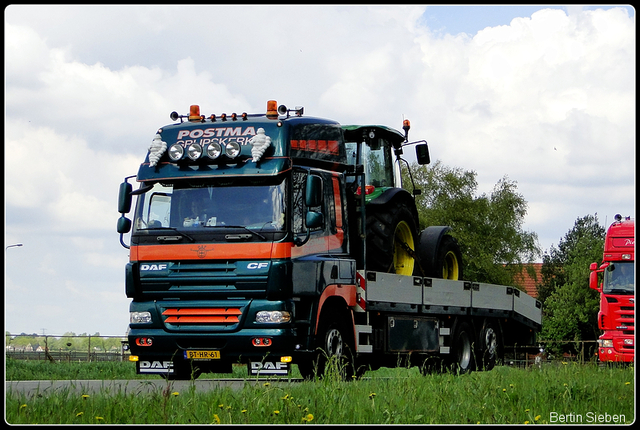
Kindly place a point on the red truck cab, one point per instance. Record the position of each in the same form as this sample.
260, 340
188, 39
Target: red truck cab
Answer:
617, 292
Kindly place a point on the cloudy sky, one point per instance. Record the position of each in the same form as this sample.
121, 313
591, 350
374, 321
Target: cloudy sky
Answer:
544, 96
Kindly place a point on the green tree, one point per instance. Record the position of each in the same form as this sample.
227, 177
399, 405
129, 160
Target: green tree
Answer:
488, 227
570, 306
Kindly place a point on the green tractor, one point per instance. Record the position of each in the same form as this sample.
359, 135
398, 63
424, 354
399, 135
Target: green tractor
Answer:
393, 242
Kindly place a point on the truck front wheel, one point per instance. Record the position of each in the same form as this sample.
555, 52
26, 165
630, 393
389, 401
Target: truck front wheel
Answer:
334, 348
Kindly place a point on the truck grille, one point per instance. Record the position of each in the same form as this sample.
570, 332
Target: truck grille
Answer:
180, 318
202, 316
191, 279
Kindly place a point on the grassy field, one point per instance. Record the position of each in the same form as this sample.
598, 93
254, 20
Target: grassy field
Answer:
555, 393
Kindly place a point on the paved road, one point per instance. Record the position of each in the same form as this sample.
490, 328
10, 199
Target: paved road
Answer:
30, 388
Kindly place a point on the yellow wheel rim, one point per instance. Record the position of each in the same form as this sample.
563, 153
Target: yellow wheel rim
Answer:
402, 261
451, 266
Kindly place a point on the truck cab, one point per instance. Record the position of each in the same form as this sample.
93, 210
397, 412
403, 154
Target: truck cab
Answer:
614, 279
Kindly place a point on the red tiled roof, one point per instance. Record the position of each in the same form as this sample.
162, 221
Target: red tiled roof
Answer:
527, 281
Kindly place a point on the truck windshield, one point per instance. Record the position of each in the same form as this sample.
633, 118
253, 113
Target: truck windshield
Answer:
619, 278
187, 207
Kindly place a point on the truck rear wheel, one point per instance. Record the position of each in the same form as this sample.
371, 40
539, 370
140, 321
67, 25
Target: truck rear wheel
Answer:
462, 359
489, 345
391, 239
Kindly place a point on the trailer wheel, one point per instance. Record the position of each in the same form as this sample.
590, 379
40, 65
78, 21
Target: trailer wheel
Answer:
462, 352
489, 345
448, 260
391, 239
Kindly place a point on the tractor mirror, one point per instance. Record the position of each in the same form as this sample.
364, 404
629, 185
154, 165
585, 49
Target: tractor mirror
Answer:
422, 154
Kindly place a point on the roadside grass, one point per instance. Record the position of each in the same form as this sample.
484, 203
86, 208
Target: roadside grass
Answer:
504, 395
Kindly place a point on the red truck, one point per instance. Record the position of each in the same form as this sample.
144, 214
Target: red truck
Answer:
616, 288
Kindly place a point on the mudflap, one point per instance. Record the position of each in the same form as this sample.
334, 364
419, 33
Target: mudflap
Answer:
268, 368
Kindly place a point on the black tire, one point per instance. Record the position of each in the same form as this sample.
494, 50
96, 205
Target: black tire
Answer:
462, 354
489, 345
334, 348
385, 224
448, 260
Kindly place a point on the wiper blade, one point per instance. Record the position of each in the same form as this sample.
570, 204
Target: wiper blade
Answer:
239, 226
169, 238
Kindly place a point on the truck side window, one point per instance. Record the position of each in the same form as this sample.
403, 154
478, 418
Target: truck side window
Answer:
299, 208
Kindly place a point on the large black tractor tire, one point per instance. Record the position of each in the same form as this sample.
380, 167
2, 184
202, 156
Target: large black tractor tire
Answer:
447, 261
391, 239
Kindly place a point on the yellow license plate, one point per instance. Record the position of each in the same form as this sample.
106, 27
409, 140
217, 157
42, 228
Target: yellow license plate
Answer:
202, 355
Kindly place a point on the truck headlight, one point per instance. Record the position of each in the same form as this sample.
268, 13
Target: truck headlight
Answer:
140, 317
606, 343
214, 150
194, 151
176, 152
232, 149
273, 317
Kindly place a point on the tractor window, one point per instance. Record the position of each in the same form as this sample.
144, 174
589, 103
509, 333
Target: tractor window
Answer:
376, 159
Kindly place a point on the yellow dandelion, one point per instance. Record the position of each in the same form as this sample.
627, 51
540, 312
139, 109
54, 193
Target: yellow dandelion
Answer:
221, 406
175, 393
526, 422
22, 406
504, 390
307, 418
216, 418
79, 414
244, 411
627, 383
276, 412
85, 396
266, 384
99, 418
527, 410
372, 395
538, 417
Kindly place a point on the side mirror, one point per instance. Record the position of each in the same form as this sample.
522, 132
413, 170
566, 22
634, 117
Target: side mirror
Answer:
124, 225
314, 220
422, 154
593, 277
313, 195
124, 197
